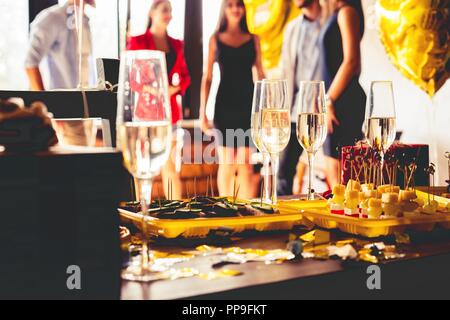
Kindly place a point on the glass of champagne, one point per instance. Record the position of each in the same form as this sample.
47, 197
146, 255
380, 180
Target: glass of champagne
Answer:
275, 117
381, 119
311, 123
256, 137
143, 132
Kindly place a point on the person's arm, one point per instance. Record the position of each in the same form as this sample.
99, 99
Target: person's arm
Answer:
42, 36
350, 27
35, 79
206, 84
258, 62
185, 78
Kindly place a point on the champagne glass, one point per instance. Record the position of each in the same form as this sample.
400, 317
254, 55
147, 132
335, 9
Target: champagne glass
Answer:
311, 123
381, 119
143, 132
256, 137
275, 124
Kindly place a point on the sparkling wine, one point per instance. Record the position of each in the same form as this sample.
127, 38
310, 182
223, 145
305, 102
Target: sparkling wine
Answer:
275, 130
145, 147
256, 131
381, 132
311, 131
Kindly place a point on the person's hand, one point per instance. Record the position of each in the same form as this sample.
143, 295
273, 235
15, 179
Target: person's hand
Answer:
205, 125
331, 117
174, 90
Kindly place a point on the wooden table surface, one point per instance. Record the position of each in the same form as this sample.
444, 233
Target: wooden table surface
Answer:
424, 273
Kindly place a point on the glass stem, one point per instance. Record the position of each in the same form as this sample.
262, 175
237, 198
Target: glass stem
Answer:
311, 170
145, 199
266, 177
274, 159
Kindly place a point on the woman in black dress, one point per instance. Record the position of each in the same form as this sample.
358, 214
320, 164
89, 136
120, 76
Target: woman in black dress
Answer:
341, 37
237, 51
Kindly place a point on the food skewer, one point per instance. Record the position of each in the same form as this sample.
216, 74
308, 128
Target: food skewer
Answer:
210, 181
261, 193
359, 173
340, 164
195, 187
236, 195
159, 197
234, 188
447, 156
188, 196
133, 189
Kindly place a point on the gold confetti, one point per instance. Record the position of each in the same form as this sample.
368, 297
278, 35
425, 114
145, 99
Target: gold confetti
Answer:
402, 238
308, 237
220, 274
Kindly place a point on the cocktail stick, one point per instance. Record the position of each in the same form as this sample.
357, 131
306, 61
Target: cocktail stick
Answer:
195, 187
159, 197
211, 182
261, 193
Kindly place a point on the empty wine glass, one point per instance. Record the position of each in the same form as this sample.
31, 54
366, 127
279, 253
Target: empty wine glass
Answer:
311, 123
275, 124
143, 132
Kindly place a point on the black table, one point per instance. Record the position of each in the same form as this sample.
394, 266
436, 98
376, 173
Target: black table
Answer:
423, 273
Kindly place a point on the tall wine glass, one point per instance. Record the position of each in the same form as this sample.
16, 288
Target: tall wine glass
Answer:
275, 124
381, 119
256, 137
311, 123
143, 131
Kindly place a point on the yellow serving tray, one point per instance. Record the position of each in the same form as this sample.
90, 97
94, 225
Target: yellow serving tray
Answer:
200, 227
372, 228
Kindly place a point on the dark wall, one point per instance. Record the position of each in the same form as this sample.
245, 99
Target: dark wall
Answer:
193, 47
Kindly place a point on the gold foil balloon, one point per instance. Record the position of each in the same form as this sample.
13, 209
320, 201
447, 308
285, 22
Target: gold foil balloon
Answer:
415, 34
267, 19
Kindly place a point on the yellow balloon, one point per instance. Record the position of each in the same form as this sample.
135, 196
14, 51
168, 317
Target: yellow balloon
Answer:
415, 34
267, 19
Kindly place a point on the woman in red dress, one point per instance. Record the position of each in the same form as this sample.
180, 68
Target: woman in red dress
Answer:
157, 38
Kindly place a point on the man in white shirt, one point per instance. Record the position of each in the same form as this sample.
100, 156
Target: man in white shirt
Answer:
299, 61
54, 38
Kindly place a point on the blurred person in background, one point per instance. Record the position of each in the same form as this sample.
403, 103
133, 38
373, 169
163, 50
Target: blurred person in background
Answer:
300, 60
237, 52
157, 38
342, 33
54, 39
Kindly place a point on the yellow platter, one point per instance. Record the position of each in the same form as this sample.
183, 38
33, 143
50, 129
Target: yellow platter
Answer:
372, 228
201, 227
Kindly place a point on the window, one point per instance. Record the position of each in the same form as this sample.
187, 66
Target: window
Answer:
104, 27
13, 44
